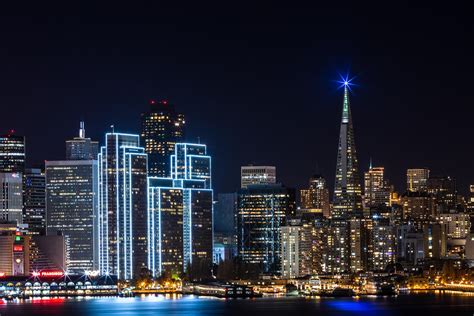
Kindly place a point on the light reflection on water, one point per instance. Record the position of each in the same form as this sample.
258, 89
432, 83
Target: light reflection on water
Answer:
434, 304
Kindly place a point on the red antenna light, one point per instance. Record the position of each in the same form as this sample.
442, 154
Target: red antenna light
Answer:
152, 102
165, 102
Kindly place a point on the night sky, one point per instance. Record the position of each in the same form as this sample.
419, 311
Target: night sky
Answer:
256, 83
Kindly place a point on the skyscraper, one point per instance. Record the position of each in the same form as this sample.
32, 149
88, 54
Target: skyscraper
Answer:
11, 197
347, 189
262, 209
376, 190
122, 218
12, 153
81, 148
180, 213
162, 128
257, 175
316, 197
34, 201
417, 179
71, 208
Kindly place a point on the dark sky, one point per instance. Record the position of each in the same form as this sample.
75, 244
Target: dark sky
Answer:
256, 83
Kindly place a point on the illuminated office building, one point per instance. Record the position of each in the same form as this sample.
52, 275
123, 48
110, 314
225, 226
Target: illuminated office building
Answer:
434, 240
383, 244
71, 209
257, 175
290, 251
122, 219
12, 153
458, 225
316, 196
162, 128
360, 244
443, 188
417, 179
262, 210
376, 190
14, 250
347, 190
11, 197
418, 207
338, 247
180, 213
81, 148
34, 201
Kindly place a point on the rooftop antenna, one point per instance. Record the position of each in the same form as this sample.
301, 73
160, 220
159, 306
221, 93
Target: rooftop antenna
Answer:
113, 129
199, 140
82, 130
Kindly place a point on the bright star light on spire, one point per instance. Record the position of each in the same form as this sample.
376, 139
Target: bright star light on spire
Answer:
345, 81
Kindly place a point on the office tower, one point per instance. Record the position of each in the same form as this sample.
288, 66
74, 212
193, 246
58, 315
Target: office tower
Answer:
347, 190
443, 188
418, 207
257, 175
316, 197
417, 179
410, 249
11, 197
81, 148
262, 209
470, 200
180, 212
122, 219
14, 250
162, 128
360, 244
71, 208
12, 153
376, 189
290, 251
48, 253
34, 201
225, 212
458, 225
434, 240
383, 244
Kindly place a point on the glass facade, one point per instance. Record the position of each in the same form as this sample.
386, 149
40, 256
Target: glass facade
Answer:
12, 153
181, 214
262, 209
81, 148
71, 208
122, 216
34, 201
11, 197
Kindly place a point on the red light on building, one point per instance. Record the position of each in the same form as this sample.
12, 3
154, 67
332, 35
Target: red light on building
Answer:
2, 274
17, 233
152, 102
164, 102
51, 273
17, 248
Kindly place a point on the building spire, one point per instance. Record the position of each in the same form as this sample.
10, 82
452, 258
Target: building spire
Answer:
345, 107
82, 130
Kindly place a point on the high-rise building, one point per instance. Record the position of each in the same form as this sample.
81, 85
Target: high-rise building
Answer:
262, 209
290, 251
410, 248
360, 244
316, 197
71, 208
34, 201
122, 210
257, 175
376, 190
418, 207
180, 212
12, 153
162, 128
225, 212
417, 179
443, 188
81, 148
11, 197
48, 253
458, 225
383, 244
14, 250
338, 247
347, 189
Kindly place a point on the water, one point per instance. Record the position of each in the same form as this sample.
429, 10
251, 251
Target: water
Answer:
420, 305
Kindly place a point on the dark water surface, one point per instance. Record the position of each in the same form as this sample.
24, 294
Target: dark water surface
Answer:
419, 304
